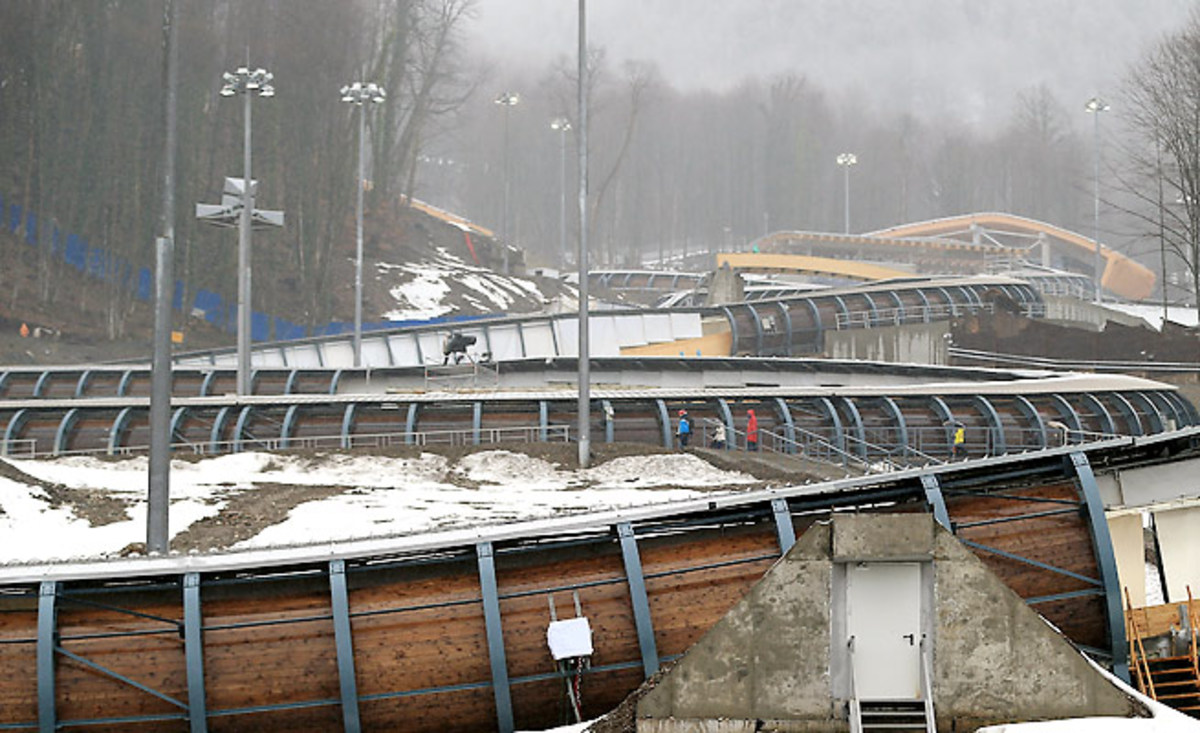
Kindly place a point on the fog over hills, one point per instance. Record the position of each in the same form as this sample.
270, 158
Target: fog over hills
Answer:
930, 57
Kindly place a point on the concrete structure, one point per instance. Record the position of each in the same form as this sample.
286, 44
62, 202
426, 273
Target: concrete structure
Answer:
780, 659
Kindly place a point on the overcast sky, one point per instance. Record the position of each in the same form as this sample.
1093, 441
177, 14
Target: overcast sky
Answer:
922, 55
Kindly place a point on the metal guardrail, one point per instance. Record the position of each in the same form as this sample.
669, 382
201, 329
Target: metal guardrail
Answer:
460, 438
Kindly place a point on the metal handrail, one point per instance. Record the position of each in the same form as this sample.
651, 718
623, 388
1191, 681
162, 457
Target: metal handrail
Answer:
1193, 622
1137, 651
855, 705
927, 686
487, 436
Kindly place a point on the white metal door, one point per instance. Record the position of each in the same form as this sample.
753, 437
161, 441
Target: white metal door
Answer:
883, 608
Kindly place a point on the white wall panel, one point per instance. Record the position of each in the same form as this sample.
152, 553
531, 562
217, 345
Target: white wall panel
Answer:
1179, 545
686, 325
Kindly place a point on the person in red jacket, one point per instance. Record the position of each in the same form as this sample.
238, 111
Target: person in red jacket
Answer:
751, 430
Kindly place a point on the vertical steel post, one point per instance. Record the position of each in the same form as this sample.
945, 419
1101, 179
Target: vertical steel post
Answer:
584, 404
495, 636
193, 641
244, 307
358, 240
47, 639
158, 490
344, 639
784, 528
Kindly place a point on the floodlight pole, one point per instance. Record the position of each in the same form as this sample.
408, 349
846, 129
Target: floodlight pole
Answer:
584, 405
158, 494
244, 307
359, 94
1096, 105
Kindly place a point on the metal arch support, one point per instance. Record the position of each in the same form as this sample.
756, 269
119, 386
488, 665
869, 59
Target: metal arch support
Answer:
1193, 417
946, 416
4, 381
758, 329
487, 336
818, 327
1067, 412
1158, 422
1107, 426
81, 385
193, 650
177, 419
789, 425
126, 380
348, 416
1125, 407
1033, 417
664, 421
856, 419
554, 339
784, 529
543, 419
344, 641
989, 411
387, 347
835, 421
900, 309
254, 375
42, 381
949, 300
15, 423
283, 352
637, 594
118, 429
206, 385
410, 423
47, 639
319, 348
64, 428
606, 406
476, 421
289, 424
936, 501
495, 636
733, 330
727, 418
239, 430
926, 316
843, 308
218, 426
897, 417
871, 305
1106, 560
787, 326
290, 387
335, 381
1161, 398
971, 295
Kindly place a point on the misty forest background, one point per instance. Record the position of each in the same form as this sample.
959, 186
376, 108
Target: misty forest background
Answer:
82, 138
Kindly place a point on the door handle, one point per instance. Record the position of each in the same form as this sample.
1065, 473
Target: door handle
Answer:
911, 638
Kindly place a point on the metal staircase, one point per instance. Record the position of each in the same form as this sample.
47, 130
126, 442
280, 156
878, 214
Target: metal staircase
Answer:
913, 714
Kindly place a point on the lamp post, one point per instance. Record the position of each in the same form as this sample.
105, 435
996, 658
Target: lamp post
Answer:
247, 83
584, 402
1096, 105
562, 126
358, 94
845, 160
507, 100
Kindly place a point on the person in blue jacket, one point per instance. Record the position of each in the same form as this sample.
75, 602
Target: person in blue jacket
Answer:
685, 429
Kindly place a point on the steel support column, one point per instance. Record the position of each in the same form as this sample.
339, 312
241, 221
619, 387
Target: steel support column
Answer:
784, 529
47, 639
1106, 559
495, 636
543, 419
348, 423
343, 638
606, 406
193, 643
637, 594
289, 424
727, 418
410, 423
664, 420
476, 421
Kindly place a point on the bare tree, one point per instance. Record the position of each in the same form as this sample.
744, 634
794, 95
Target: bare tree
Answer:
1163, 112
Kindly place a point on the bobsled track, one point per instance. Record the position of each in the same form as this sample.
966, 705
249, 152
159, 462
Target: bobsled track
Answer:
844, 412
446, 632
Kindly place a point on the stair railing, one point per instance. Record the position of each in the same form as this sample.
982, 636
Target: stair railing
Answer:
1193, 622
1137, 651
855, 706
927, 687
